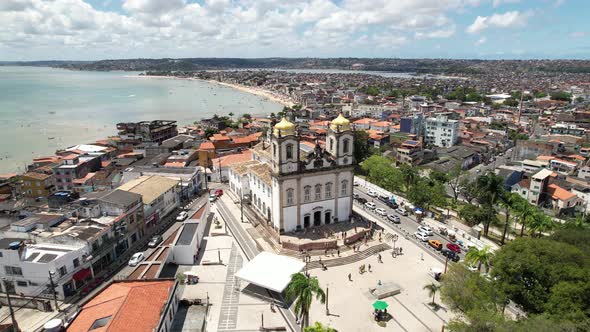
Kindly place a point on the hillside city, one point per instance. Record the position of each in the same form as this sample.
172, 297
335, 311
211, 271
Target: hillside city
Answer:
453, 200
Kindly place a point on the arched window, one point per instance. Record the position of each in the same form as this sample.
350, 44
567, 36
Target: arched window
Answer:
345, 144
263, 207
289, 151
307, 193
344, 188
328, 190
290, 195
318, 192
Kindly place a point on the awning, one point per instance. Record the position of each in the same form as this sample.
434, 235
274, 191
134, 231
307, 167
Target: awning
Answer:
270, 271
82, 274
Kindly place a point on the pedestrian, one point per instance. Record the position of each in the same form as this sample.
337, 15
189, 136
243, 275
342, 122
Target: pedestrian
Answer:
400, 250
355, 229
379, 258
422, 256
320, 259
349, 277
326, 252
338, 252
370, 268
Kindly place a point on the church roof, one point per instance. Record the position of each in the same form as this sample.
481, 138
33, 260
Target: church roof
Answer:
340, 123
284, 128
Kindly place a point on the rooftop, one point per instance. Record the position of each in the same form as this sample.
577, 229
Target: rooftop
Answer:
120, 197
149, 187
134, 306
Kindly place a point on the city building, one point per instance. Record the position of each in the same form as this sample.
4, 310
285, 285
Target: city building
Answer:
441, 131
74, 167
35, 184
295, 186
410, 153
567, 129
135, 133
411, 124
130, 306
160, 195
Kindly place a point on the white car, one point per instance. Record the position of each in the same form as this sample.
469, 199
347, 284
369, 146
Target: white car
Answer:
372, 193
421, 236
426, 230
212, 198
381, 211
394, 218
402, 211
370, 205
182, 216
136, 258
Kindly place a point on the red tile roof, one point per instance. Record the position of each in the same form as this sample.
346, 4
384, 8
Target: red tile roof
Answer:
207, 146
133, 306
559, 193
232, 159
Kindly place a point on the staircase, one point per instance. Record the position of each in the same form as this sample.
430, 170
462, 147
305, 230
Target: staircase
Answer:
349, 259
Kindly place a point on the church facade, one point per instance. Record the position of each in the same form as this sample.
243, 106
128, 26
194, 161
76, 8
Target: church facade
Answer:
295, 186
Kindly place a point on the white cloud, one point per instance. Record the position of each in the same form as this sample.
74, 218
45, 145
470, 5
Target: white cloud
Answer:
480, 41
153, 6
441, 33
510, 19
497, 3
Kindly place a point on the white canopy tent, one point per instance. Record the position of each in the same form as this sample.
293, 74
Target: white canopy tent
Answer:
270, 271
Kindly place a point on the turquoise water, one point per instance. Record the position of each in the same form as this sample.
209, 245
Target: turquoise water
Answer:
45, 109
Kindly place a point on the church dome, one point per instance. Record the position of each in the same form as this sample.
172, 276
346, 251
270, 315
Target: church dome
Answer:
284, 127
340, 123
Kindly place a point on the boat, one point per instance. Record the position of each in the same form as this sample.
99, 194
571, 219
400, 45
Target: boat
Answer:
50, 137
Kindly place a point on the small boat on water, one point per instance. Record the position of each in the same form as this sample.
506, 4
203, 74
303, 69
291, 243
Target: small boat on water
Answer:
52, 112
50, 137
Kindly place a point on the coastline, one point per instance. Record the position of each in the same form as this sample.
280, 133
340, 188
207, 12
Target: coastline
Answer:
270, 95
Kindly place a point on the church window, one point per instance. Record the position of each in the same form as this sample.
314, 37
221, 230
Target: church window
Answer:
289, 196
345, 144
328, 190
307, 193
318, 191
344, 188
289, 151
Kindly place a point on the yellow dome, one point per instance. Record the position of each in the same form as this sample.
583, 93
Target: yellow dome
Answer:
340, 123
284, 127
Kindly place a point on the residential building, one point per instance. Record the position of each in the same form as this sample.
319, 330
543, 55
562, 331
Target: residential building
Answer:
567, 129
35, 184
160, 196
190, 237
26, 267
441, 131
410, 153
74, 167
411, 124
135, 133
130, 306
191, 178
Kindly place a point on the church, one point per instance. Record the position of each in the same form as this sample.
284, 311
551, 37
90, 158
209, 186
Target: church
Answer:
296, 185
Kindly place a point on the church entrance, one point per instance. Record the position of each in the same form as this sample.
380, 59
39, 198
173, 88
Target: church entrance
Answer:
306, 221
317, 218
327, 217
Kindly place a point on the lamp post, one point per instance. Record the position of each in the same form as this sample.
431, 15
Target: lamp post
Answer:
395, 237
327, 297
51, 273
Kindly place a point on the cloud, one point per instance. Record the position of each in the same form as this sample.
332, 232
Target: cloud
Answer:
480, 41
153, 6
497, 3
441, 33
510, 19
578, 34
14, 5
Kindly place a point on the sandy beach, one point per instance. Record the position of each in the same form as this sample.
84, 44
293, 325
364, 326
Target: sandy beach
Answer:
248, 89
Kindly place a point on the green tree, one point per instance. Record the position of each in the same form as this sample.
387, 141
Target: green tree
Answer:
511, 102
561, 95
424, 193
455, 177
409, 176
210, 132
432, 288
579, 99
479, 257
544, 276
247, 116
304, 289
524, 211
231, 115
490, 188
539, 223
318, 327
468, 189
361, 146
509, 201
472, 214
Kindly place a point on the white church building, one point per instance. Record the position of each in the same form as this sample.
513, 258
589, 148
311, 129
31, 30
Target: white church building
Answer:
294, 186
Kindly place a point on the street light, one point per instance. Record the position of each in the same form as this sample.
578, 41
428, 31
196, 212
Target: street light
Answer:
51, 274
395, 237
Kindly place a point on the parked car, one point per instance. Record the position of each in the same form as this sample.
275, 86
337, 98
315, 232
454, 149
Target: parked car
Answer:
212, 198
381, 211
421, 236
219, 192
136, 258
362, 200
370, 205
425, 229
451, 255
156, 239
454, 247
182, 216
355, 183
435, 244
402, 211
372, 193
394, 218
392, 205
355, 195
384, 198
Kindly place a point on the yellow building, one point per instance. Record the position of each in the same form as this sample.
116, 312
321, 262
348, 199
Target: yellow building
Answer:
37, 184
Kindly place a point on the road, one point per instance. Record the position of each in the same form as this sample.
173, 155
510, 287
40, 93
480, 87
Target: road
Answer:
408, 224
249, 248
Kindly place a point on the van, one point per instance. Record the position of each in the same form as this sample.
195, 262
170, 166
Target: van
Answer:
435, 244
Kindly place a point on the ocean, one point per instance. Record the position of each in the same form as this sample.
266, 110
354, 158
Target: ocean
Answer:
45, 109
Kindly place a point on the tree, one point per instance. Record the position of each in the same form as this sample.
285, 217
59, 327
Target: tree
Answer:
318, 327
509, 201
472, 214
454, 181
490, 188
409, 176
579, 99
231, 114
511, 102
247, 116
561, 95
479, 257
361, 146
544, 276
468, 189
432, 288
524, 210
304, 289
539, 223
210, 132
424, 193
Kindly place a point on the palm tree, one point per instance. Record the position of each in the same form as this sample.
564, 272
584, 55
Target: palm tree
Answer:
480, 257
509, 201
432, 288
490, 190
524, 210
304, 289
540, 223
409, 175
231, 115
319, 327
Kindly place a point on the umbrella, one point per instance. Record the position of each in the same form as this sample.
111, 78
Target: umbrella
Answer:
380, 305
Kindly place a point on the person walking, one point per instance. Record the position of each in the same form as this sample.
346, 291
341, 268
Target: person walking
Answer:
370, 268
338, 252
350, 277
379, 258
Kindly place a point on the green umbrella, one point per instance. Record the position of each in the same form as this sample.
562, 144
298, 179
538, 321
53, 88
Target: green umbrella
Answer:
380, 305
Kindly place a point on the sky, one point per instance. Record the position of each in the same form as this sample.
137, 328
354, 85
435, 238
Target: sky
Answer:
116, 29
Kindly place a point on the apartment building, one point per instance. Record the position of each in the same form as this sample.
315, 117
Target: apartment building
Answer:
441, 131
37, 184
